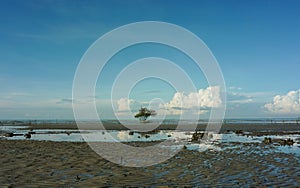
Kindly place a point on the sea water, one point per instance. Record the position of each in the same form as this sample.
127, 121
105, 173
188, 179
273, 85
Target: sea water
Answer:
214, 141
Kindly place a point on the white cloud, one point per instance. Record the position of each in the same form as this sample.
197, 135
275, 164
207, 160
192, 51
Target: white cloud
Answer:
124, 104
239, 98
235, 88
285, 104
203, 99
181, 102
125, 107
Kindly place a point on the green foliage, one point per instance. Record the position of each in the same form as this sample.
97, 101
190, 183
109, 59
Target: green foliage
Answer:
144, 113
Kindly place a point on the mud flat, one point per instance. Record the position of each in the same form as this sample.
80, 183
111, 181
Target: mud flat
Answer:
70, 164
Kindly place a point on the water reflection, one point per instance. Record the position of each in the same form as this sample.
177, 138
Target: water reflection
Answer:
213, 142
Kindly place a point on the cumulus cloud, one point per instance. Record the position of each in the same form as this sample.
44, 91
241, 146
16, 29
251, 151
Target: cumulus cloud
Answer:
203, 99
197, 102
124, 104
285, 104
125, 107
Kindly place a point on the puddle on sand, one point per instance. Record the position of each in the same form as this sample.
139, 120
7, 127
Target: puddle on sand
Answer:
215, 142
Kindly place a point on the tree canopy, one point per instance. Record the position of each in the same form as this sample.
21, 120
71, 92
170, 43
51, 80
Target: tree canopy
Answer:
144, 113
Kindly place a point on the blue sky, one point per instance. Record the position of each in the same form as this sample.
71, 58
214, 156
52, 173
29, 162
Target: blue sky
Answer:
256, 43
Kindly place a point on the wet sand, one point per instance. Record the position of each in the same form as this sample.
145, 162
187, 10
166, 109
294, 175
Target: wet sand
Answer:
26, 163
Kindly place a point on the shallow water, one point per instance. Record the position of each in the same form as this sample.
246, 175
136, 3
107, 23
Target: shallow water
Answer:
214, 141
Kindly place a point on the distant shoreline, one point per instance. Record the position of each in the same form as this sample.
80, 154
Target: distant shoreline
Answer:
251, 127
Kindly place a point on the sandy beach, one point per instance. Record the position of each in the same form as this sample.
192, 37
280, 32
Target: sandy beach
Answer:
27, 163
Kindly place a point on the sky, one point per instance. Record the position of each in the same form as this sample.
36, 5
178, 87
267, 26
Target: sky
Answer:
256, 43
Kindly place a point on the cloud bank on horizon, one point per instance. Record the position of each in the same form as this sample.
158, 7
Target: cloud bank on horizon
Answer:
202, 101
285, 104
194, 102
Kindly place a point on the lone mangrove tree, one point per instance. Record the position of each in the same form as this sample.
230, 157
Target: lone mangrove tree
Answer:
144, 113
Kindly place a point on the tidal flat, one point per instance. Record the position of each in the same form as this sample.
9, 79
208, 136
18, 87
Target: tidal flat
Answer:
74, 164
252, 156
